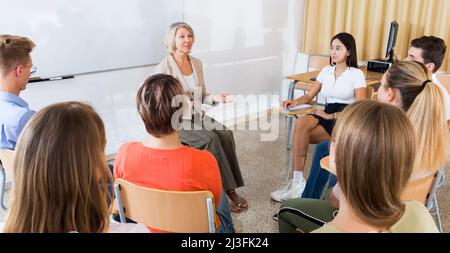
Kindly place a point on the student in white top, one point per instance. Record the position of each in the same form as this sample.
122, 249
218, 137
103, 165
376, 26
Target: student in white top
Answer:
60, 174
341, 83
430, 51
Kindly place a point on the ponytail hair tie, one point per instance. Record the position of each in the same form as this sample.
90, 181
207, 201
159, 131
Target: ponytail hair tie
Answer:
425, 83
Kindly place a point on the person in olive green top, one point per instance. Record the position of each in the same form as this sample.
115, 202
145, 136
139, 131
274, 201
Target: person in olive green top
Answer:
374, 163
405, 85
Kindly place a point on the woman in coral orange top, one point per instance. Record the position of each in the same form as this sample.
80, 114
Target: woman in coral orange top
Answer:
161, 161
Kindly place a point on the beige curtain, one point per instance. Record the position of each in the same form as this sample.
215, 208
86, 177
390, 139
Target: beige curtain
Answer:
369, 20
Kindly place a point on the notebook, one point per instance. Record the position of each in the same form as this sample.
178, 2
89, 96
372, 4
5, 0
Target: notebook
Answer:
299, 108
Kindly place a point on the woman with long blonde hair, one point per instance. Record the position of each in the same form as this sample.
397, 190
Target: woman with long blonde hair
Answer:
406, 85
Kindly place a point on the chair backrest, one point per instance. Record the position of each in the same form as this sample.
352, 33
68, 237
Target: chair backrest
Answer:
421, 189
7, 161
317, 62
369, 92
171, 211
374, 96
444, 78
438, 182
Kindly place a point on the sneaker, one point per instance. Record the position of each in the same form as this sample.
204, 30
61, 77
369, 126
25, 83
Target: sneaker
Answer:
295, 191
276, 195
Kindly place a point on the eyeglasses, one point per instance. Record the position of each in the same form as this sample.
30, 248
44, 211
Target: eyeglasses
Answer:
33, 69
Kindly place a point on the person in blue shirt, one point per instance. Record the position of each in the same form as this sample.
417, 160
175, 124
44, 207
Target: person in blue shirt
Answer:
16, 67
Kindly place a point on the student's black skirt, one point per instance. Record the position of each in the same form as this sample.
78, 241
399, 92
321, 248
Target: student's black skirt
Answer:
328, 125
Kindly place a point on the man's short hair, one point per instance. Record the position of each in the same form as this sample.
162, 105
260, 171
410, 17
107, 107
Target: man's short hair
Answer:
433, 50
154, 104
14, 50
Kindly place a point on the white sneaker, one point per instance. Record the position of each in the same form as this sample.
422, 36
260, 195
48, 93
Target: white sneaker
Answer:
295, 191
276, 195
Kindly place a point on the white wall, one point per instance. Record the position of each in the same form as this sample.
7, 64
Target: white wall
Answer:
111, 93
247, 47
88, 36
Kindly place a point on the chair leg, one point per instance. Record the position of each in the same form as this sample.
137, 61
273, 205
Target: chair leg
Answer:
288, 167
2, 189
210, 208
289, 124
438, 214
120, 207
289, 129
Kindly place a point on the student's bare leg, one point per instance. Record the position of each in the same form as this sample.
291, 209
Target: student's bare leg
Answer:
318, 135
307, 130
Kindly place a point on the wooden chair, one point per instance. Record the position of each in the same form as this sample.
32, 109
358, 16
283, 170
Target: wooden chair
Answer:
419, 189
374, 96
369, 92
315, 62
171, 211
6, 165
444, 78
422, 190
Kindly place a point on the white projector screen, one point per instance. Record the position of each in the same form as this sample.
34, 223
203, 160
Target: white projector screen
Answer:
84, 36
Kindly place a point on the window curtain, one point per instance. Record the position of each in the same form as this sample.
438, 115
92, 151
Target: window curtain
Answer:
369, 21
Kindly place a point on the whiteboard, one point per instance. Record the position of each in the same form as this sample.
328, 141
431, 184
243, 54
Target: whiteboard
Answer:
84, 36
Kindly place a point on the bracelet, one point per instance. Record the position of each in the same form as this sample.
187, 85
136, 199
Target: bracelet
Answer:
334, 116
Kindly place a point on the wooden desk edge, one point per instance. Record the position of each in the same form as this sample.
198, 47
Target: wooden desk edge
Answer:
300, 112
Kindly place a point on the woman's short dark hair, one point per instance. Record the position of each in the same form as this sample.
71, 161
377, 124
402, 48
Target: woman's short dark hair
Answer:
154, 103
350, 44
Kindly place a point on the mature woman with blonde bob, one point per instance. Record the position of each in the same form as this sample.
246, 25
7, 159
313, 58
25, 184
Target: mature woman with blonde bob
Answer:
60, 173
200, 131
373, 154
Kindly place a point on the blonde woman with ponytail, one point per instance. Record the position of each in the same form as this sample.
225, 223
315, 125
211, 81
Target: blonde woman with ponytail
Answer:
409, 86
373, 153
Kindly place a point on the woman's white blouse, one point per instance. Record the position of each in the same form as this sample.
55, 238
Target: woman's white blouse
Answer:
342, 89
191, 82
